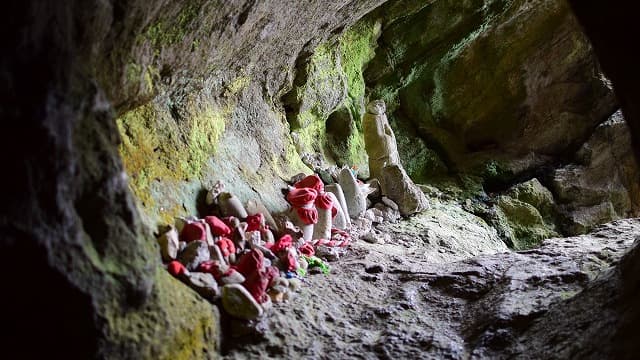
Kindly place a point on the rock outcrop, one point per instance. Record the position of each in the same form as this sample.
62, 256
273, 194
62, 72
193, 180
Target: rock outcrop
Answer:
603, 184
496, 304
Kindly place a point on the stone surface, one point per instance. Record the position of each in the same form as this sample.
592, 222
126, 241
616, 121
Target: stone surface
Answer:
185, 121
397, 186
603, 184
480, 89
354, 198
169, 244
204, 284
336, 190
195, 253
238, 302
493, 305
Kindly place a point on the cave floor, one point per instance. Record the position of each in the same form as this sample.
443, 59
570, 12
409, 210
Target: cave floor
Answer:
445, 286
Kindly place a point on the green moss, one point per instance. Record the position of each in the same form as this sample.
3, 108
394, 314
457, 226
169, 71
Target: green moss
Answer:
154, 149
175, 323
357, 47
171, 30
526, 224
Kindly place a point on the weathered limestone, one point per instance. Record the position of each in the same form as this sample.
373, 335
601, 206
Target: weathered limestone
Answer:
336, 190
384, 161
230, 205
356, 201
340, 220
169, 244
380, 142
397, 186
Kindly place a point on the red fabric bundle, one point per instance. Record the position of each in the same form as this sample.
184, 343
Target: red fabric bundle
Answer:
323, 201
290, 261
257, 284
226, 246
175, 268
272, 274
307, 249
228, 220
218, 227
285, 242
301, 197
308, 215
250, 263
255, 222
211, 267
193, 231
311, 181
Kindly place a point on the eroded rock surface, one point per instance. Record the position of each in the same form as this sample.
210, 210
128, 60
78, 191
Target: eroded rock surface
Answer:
390, 301
604, 182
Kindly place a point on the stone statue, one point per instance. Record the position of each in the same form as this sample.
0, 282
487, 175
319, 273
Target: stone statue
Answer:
384, 162
379, 140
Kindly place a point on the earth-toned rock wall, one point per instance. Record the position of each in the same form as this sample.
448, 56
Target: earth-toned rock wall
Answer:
208, 90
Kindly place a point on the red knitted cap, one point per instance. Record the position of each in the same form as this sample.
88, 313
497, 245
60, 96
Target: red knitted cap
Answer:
311, 181
193, 231
218, 227
301, 197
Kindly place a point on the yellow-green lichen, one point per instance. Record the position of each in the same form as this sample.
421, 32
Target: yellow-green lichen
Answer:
155, 148
174, 324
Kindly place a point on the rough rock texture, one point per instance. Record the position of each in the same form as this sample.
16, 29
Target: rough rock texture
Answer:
604, 184
194, 78
66, 206
197, 89
510, 81
526, 215
408, 300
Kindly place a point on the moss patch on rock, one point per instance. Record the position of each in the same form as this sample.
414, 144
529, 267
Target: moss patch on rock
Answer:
327, 100
156, 148
176, 321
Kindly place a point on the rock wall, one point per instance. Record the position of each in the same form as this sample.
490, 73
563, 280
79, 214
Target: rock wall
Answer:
195, 78
495, 88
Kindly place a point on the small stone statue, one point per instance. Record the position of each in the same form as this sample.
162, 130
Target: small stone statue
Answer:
384, 162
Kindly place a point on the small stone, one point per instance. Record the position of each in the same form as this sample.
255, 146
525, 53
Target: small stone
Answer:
328, 253
232, 277
370, 237
230, 205
204, 284
255, 206
295, 284
325, 175
181, 246
212, 194
390, 203
169, 244
238, 302
374, 269
336, 190
297, 177
374, 185
196, 252
369, 215
355, 199
216, 254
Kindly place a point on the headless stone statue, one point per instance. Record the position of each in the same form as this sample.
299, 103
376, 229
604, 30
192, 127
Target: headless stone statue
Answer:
384, 161
379, 140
